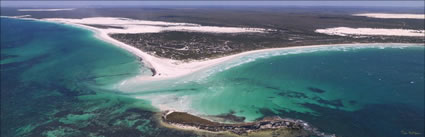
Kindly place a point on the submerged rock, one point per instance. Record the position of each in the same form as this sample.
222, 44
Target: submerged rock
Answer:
317, 90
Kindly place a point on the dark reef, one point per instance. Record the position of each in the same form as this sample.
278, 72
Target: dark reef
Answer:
317, 90
270, 123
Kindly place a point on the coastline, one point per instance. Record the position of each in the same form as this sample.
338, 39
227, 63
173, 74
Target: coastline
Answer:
180, 68
164, 68
98, 34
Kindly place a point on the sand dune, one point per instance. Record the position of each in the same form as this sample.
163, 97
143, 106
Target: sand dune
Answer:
144, 26
346, 31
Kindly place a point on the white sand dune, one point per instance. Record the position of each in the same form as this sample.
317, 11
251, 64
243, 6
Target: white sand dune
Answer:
64, 9
392, 16
144, 26
346, 31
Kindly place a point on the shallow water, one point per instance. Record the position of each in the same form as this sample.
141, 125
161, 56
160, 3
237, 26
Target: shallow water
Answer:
372, 90
58, 80
363, 92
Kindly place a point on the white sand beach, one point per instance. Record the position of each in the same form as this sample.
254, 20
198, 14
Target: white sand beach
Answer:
391, 16
346, 31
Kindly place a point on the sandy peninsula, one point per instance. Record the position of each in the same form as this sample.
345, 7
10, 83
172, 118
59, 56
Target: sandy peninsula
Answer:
164, 68
167, 68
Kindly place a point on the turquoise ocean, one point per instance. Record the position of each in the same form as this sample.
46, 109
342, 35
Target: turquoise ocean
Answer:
59, 80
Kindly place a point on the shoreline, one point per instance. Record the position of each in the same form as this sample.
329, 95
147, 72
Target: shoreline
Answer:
200, 65
101, 36
164, 68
